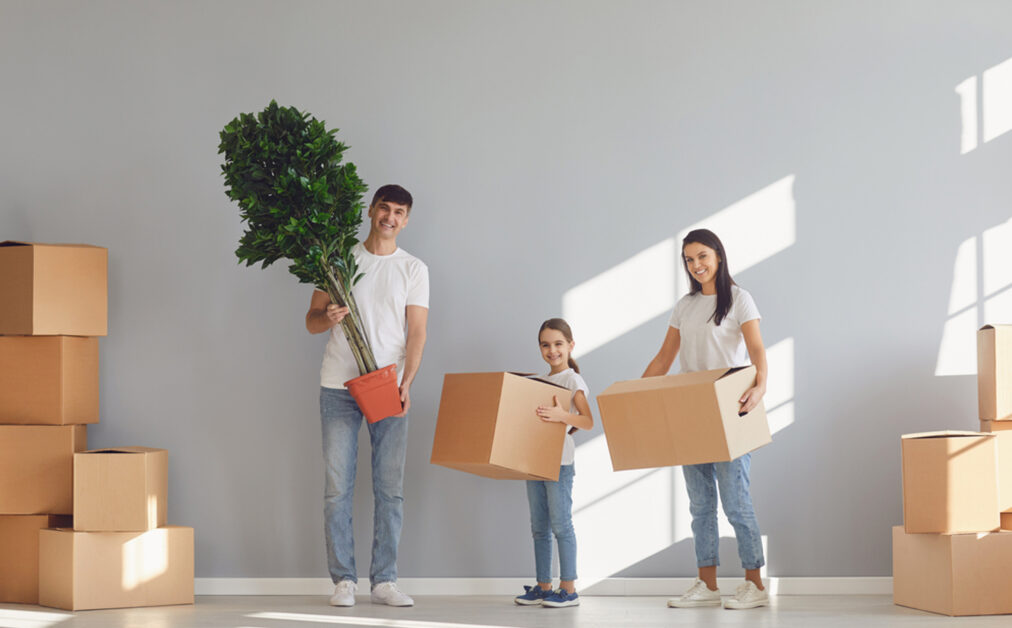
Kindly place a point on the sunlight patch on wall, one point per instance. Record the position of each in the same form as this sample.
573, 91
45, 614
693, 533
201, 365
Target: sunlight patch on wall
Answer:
992, 89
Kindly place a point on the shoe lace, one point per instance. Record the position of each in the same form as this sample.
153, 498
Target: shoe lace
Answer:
696, 588
743, 589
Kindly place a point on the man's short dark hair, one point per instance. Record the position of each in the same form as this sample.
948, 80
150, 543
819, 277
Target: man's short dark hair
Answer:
392, 193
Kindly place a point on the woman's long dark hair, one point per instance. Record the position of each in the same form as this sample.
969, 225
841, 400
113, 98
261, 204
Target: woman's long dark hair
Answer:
560, 325
724, 282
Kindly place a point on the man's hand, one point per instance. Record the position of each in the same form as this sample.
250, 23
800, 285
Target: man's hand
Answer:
405, 400
336, 314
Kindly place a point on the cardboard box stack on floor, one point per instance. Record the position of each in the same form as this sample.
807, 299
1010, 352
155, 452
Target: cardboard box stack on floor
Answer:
953, 553
53, 308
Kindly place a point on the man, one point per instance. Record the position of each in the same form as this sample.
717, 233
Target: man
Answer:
393, 299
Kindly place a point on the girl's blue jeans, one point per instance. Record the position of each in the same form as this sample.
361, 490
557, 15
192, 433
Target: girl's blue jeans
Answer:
342, 420
731, 480
552, 512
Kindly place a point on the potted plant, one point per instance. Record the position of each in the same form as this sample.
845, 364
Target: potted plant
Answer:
299, 202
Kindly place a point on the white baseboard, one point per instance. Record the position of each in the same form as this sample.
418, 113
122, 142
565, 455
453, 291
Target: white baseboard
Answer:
510, 586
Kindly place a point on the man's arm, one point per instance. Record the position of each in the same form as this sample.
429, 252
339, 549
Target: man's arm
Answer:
323, 314
417, 318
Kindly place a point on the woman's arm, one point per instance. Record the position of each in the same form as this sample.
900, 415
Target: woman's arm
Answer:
662, 362
557, 414
757, 353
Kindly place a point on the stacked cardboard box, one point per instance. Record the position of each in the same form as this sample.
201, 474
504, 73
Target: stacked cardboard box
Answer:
950, 556
52, 308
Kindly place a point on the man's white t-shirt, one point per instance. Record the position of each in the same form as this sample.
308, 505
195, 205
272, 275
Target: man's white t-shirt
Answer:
388, 285
571, 380
704, 346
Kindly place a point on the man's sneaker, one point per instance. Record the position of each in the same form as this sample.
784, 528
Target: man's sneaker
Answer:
388, 593
344, 593
748, 595
560, 598
697, 595
533, 596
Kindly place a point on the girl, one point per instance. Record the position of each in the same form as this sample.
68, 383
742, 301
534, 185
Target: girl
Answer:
552, 502
716, 326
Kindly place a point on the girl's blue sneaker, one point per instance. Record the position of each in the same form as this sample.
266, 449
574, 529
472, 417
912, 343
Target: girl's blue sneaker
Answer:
560, 598
533, 596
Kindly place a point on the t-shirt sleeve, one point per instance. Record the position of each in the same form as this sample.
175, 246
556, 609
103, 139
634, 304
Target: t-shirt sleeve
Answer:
418, 286
745, 308
676, 315
576, 383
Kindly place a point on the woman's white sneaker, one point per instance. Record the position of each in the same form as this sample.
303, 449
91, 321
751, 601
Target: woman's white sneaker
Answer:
344, 593
748, 595
697, 595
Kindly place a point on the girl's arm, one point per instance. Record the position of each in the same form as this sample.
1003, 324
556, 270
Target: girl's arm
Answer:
757, 353
557, 414
661, 363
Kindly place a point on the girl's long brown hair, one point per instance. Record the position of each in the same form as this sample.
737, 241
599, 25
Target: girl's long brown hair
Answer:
560, 325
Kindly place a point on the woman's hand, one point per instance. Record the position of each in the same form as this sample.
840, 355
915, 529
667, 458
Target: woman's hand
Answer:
751, 399
553, 414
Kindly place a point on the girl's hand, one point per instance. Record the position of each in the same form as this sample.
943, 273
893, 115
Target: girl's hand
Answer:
553, 414
751, 399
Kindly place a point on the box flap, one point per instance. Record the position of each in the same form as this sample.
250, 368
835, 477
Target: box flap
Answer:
945, 434
678, 380
122, 450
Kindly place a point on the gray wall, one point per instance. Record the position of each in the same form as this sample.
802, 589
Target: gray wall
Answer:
545, 143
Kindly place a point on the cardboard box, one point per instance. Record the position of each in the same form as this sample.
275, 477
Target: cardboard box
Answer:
48, 380
691, 418
37, 468
1006, 521
120, 490
953, 574
487, 425
86, 570
950, 482
994, 372
53, 289
19, 555
1002, 431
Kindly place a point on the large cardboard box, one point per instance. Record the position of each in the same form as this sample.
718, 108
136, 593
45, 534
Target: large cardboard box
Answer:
85, 570
120, 490
487, 425
953, 574
1002, 431
53, 289
950, 482
691, 418
37, 468
1006, 521
48, 380
994, 372
19, 555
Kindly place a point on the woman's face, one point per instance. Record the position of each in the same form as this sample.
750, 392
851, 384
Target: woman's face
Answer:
702, 262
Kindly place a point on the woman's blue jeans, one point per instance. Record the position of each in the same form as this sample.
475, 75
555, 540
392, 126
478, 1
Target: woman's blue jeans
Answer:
552, 512
731, 479
342, 419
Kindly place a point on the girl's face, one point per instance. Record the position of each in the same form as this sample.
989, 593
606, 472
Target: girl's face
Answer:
555, 349
702, 262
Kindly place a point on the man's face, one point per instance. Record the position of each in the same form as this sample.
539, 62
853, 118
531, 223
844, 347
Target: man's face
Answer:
387, 219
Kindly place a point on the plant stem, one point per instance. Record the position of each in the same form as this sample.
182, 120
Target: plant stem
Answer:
351, 325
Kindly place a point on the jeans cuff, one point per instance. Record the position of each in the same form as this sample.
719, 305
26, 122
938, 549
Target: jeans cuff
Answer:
708, 562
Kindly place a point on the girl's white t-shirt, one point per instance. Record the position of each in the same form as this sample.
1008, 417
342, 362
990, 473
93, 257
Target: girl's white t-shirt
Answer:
571, 380
704, 346
389, 284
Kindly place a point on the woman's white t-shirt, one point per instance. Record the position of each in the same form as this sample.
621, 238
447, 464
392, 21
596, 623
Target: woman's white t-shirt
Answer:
389, 284
704, 346
571, 380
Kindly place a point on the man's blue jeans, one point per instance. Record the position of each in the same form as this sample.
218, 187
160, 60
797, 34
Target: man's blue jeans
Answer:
732, 480
552, 512
341, 419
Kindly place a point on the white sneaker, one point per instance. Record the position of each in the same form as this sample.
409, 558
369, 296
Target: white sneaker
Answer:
748, 595
697, 595
344, 593
388, 593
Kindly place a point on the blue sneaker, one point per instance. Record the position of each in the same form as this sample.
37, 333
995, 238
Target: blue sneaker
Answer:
560, 598
533, 596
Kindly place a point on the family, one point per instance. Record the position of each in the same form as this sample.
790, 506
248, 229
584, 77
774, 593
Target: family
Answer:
715, 326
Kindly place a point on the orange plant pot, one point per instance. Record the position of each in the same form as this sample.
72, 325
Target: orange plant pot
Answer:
377, 393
